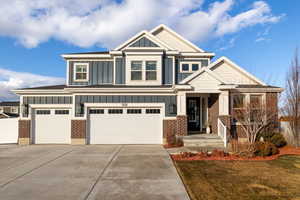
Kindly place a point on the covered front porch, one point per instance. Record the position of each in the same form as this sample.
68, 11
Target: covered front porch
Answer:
207, 117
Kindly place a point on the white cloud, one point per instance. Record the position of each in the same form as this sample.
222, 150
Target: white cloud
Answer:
107, 23
12, 80
230, 44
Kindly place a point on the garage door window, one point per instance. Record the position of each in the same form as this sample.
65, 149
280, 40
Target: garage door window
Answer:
152, 111
61, 112
43, 112
115, 111
134, 111
96, 111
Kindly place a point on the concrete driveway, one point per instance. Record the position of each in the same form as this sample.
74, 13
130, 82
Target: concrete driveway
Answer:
88, 172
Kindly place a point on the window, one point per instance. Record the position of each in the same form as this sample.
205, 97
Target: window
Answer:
255, 106
152, 111
81, 71
185, 67
14, 110
134, 111
189, 67
238, 101
61, 112
115, 111
96, 111
151, 70
136, 70
255, 101
43, 112
195, 67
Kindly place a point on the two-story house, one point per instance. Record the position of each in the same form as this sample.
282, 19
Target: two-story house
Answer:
153, 87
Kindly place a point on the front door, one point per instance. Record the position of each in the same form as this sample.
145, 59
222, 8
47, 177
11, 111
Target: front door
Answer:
193, 113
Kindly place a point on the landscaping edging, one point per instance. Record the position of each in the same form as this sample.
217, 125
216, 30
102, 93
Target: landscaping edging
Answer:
230, 157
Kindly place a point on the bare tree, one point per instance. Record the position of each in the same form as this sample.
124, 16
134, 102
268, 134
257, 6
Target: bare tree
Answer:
255, 117
292, 102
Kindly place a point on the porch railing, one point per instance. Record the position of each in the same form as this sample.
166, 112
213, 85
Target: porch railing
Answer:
222, 132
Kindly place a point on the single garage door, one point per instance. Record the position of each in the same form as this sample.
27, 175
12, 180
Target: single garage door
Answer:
52, 126
125, 126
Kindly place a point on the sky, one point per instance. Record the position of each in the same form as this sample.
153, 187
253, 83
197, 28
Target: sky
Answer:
260, 36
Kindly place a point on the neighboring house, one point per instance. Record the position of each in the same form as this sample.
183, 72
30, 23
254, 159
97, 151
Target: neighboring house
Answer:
145, 91
9, 109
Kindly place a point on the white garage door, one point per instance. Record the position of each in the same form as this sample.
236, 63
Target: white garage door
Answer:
52, 126
125, 126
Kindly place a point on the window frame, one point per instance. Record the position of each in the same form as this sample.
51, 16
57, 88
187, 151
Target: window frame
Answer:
141, 70
144, 70
150, 70
190, 70
75, 72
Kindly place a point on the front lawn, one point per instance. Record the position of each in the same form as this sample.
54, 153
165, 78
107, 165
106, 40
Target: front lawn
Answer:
242, 180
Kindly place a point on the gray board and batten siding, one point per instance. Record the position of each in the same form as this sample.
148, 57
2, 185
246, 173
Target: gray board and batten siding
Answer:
100, 72
44, 100
179, 76
144, 42
170, 101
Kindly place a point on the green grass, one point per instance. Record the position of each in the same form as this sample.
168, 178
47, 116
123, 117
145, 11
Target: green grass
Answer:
245, 180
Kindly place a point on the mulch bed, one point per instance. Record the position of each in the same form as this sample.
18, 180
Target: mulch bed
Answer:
220, 155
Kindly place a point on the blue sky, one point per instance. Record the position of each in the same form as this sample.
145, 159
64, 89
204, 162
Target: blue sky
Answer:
260, 36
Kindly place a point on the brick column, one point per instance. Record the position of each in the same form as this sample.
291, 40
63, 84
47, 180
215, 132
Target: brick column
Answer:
181, 125
169, 131
78, 132
24, 132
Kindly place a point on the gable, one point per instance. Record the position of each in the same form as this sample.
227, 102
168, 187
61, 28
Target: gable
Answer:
174, 40
205, 81
143, 42
232, 75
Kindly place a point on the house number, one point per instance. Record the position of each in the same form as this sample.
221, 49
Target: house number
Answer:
124, 104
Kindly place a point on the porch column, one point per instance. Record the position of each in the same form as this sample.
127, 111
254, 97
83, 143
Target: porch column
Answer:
224, 103
181, 103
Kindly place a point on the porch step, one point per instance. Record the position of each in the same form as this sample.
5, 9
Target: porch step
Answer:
205, 141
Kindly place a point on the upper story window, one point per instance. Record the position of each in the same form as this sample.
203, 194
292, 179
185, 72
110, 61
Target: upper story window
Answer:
81, 71
143, 70
14, 110
151, 70
189, 67
136, 70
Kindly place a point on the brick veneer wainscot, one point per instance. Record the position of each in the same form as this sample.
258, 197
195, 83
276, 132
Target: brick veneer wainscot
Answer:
78, 129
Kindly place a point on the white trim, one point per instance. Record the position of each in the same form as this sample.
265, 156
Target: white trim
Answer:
222, 59
235, 66
162, 26
88, 59
87, 65
125, 94
197, 73
76, 56
67, 71
33, 91
201, 54
123, 105
143, 53
50, 106
138, 36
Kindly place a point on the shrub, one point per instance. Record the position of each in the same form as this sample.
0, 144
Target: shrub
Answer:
278, 140
273, 137
265, 149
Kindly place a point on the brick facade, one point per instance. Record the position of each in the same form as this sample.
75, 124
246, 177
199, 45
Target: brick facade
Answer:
173, 128
169, 131
213, 112
78, 129
24, 131
182, 126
